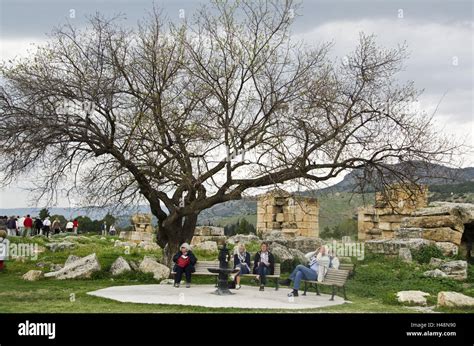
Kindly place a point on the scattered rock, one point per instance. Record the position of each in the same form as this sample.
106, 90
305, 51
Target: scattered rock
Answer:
149, 246
33, 275
298, 255
66, 245
210, 246
435, 274
55, 267
167, 282
134, 265
404, 254
436, 262
41, 264
281, 253
454, 299
119, 243
209, 231
412, 297
303, 244
71, 259
120, 266
82, 268
159, 270
456, 270
243, 239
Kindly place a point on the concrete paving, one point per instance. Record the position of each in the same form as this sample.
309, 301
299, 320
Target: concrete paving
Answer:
247, 297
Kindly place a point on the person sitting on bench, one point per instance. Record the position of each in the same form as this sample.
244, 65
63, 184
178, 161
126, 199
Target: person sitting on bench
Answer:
184, 263
264, 264
241, 262
310, 272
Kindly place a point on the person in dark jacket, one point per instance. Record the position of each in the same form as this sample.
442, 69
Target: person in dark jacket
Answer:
11, 226
184, 263
38, 226
264, 264
242, 263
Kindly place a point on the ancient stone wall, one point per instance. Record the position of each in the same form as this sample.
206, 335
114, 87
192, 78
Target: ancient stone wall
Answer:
208, 233
292, 215
381, 220
143, 229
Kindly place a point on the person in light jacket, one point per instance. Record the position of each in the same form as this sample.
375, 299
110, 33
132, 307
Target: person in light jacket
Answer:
4, 247
242, 263
316, 260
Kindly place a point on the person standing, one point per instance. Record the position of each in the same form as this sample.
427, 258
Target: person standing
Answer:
4, 248
69, 227
75, 226
104, 229
11, 226
184, 261
56, 226
19, 225
38, 226
28, 226
46, 226
264, 264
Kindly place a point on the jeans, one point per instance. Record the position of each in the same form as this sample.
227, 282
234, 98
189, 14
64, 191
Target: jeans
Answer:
302, 273
243, 269
263, 271
179, 273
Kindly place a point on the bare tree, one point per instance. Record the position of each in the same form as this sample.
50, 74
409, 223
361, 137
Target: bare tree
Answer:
194, 114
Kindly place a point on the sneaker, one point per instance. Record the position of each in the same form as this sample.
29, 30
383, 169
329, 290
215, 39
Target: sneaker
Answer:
286, 282
262, 288
293, 293
188, 284
237, 287
176, 285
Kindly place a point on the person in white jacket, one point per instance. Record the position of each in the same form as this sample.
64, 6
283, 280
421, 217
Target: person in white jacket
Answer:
318, 262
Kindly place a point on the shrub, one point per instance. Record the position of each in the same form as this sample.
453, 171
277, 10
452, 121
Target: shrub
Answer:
425, 253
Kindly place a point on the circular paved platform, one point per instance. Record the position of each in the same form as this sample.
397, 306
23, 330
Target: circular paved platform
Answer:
247, 297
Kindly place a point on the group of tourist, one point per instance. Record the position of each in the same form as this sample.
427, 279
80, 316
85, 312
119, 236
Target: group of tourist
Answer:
263, 265
26, 226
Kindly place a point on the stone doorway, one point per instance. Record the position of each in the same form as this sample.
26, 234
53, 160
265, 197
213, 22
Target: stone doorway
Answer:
467, 240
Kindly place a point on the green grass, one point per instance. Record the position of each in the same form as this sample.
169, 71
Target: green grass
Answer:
372, 289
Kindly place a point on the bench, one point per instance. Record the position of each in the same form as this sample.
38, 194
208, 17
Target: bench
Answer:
348, 266
201, 269
334, 277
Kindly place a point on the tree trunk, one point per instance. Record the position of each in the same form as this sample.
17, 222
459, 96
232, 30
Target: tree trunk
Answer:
171, 236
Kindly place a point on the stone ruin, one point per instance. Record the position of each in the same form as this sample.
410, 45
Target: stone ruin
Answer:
381, 220
289, 214
413, 224
142, 229
209, 234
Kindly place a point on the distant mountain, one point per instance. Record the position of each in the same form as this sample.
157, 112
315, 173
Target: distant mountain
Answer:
429, 174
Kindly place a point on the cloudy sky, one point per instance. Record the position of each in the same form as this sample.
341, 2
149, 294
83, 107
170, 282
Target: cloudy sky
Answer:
439, 35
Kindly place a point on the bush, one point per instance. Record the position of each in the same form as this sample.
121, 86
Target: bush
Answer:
424, 254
